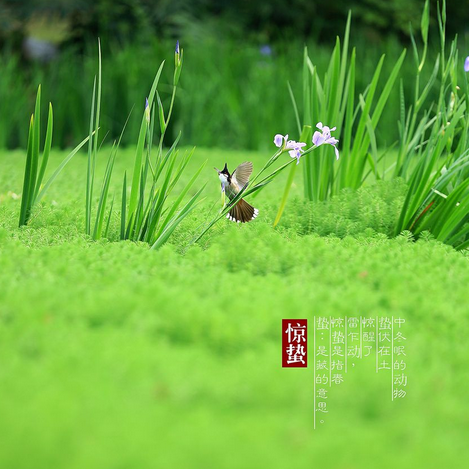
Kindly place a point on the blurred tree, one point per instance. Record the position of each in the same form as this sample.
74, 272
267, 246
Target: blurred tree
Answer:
11, 25
127, 20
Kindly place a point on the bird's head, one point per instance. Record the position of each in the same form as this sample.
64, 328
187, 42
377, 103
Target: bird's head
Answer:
224, 174
223, 171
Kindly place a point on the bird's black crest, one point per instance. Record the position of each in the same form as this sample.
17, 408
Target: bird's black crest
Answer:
225, 170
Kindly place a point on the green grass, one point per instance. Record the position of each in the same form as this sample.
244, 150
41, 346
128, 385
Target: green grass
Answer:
116, 356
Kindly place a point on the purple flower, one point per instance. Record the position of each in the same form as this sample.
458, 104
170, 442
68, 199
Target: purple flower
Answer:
324, 136
295, 148
466, 64
177, 47
265, 50
279, 140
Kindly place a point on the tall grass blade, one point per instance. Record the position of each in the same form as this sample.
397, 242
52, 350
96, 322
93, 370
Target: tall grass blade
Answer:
25, 198
46, 152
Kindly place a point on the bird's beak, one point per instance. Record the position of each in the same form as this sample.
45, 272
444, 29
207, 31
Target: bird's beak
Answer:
217, 170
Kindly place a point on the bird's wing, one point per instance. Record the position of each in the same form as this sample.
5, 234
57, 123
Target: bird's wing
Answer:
242, 173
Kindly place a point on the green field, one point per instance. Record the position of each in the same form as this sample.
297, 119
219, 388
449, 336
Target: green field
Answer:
116, 356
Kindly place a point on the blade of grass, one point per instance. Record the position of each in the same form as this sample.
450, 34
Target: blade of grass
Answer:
46, 152
25, 207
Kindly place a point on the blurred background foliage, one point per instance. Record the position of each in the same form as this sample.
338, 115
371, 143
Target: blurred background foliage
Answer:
239, 56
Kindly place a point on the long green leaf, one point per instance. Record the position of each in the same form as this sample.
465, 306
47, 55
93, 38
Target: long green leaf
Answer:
139, 151
25, 199
46, 152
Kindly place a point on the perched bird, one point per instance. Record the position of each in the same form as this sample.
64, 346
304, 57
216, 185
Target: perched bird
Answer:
231, 184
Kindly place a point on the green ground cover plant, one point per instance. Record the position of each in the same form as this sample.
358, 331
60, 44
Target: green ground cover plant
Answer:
136, 320
122, 353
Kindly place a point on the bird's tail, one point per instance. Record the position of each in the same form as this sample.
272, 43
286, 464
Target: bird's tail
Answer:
242, 212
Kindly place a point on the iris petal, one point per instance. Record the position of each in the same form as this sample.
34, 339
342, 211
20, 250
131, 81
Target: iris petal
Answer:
318, 138
278, 140
336, 152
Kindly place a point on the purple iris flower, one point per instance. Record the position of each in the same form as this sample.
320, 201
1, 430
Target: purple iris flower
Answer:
279, 140
324, 136
295, 148
466, 64
177, 47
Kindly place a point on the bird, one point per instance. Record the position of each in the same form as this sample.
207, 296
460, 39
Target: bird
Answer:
231, 184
